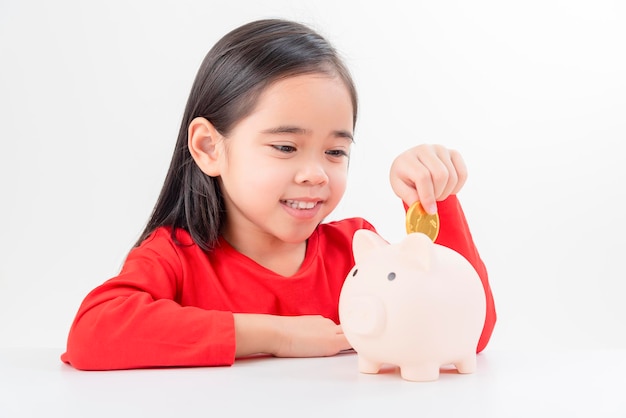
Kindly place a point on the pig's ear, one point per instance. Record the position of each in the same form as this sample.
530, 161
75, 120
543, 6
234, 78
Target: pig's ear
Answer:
418, 250
364, 242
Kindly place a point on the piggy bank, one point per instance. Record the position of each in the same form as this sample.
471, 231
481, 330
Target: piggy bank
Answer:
415, 304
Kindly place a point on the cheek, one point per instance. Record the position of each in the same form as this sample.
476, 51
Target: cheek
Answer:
252, 181
260, 181
244, 169
339, 179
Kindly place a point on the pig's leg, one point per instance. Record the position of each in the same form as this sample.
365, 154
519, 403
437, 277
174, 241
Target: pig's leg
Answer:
368, 366
466, 364
420, 373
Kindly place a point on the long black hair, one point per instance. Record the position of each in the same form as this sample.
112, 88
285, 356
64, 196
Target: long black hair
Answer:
228, 83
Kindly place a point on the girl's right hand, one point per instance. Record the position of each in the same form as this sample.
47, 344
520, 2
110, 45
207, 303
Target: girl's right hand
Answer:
427, 173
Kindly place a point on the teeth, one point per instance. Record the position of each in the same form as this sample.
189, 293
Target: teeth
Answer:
295, 204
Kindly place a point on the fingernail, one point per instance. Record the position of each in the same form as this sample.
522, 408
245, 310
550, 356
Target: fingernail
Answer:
432, 209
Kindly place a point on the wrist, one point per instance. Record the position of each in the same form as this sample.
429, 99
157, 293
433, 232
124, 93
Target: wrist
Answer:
256, 334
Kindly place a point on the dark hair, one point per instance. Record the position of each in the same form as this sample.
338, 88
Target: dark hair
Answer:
228, 83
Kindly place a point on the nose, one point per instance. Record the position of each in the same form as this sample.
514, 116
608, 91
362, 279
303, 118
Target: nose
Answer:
312, 172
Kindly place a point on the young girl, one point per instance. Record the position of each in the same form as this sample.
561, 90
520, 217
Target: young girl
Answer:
235, 259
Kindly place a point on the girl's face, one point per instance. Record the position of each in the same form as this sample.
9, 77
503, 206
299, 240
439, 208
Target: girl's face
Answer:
285, 165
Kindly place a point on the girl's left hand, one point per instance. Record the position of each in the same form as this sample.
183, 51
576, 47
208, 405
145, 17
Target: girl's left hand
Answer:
428, 173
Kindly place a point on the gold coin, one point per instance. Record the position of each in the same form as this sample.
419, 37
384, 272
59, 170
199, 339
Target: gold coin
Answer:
417, 220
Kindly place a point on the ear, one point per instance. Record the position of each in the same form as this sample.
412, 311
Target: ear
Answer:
364, 242
206, 146
418, 248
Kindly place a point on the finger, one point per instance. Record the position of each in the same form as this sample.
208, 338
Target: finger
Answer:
406, 191
431, 184
415, 185
448, 182
461, 170
343, 344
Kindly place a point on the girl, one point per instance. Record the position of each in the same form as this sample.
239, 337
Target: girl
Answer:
235, 259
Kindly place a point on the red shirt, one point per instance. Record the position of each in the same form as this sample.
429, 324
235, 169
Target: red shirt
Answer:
173, 305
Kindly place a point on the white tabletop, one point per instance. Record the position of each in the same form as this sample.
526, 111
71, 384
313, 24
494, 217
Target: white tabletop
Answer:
576, 383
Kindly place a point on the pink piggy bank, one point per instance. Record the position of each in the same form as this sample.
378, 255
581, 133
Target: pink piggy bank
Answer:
415, 304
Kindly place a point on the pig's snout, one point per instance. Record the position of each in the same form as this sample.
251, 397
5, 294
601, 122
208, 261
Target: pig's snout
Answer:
364, 315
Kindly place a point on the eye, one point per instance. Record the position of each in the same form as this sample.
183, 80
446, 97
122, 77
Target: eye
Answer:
355, 272
337, 153
287, 149
391, 276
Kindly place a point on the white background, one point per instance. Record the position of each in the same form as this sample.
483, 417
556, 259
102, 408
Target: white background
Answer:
533, 94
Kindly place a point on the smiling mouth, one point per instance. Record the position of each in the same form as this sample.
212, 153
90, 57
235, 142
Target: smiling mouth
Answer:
298, 204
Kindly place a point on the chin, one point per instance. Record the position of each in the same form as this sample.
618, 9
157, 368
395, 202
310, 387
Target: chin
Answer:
299, 236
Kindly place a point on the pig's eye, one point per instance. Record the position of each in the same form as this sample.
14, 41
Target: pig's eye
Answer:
355, 272
391, 276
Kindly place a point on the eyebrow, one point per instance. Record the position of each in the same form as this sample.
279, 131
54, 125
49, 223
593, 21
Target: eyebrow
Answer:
288, 129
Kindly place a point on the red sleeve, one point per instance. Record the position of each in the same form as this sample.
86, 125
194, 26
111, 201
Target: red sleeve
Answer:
133, 321
454, 233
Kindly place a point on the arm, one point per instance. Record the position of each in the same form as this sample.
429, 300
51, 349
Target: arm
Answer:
133, 320
288, 336
160, 311
454, 233
434, 175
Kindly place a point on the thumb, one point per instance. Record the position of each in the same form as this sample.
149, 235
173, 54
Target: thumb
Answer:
406, 192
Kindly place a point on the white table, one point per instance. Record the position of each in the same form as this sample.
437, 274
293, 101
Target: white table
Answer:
576, 383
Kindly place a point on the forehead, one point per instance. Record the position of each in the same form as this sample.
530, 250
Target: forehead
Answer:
307, 95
